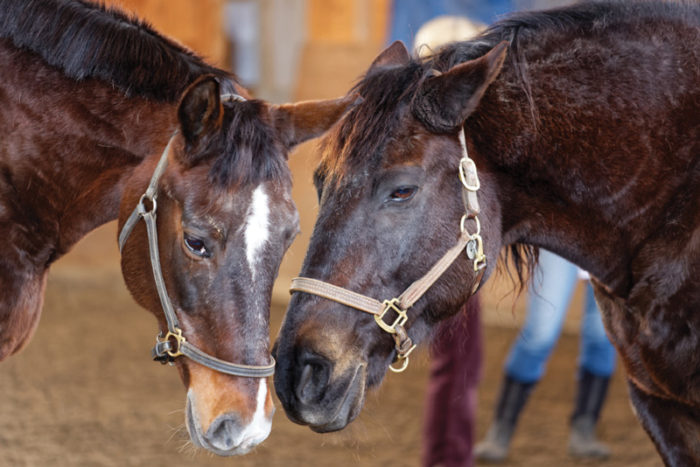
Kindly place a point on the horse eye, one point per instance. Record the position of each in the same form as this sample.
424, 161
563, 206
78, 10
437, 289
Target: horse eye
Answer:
196, 246
403, 193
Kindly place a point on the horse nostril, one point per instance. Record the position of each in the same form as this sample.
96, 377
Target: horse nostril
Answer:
224, 432
314, 377
303, 392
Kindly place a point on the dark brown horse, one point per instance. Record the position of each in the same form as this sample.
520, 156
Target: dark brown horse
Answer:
88, 100
584, 126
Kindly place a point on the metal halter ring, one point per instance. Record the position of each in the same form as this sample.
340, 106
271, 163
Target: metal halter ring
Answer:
463, 227
142, 206
179, 338
403, 358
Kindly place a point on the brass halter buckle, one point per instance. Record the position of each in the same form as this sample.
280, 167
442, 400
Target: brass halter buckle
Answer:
179, 339
400, 320
404, 345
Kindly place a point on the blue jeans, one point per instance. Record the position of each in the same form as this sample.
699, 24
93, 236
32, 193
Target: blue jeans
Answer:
547, 306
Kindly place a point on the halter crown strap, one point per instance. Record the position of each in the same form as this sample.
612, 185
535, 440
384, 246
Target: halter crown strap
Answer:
174, 344
472, 243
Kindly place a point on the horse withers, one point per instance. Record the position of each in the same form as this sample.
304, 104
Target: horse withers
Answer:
102, 117
580, 133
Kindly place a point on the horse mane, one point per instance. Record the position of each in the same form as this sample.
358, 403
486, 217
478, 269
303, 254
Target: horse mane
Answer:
520, 28
587, 18
87, 40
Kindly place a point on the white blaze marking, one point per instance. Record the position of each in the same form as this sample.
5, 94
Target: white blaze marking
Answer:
257, 226
260, 426
259, 419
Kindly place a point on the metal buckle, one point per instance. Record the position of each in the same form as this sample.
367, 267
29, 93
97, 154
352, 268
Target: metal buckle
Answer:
468, 174
402, 358
179, 338
400, 319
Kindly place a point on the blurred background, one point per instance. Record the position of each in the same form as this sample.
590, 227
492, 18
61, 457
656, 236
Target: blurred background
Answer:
84, 391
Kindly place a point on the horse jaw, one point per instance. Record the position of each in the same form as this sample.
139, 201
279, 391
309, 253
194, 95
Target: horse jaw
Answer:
20, 317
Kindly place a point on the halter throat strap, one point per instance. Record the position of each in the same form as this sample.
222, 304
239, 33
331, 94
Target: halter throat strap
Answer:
173, 344
472, 244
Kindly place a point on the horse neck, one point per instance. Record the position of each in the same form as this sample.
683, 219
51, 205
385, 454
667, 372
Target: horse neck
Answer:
69, 148
572, 176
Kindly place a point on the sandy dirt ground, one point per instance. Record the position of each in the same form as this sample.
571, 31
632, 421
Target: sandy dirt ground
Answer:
85, 393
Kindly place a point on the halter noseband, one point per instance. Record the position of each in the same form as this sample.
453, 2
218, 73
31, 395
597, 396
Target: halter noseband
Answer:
174, 344
471, 243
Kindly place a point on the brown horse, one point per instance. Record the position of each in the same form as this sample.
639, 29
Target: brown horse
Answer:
583, 124
89, 98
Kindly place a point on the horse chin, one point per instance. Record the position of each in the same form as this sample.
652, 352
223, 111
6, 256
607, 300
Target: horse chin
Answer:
337, 412
227, 445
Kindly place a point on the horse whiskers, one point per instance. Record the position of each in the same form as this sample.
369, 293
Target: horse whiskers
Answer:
189, 448
178, 430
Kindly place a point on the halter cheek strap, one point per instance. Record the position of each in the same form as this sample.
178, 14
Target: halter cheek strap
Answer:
173, 344
398, 307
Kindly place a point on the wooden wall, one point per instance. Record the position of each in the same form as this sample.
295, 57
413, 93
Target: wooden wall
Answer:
348, 21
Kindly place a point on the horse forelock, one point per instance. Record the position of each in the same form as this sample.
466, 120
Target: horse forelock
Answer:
90, 40
356, 147
250, 152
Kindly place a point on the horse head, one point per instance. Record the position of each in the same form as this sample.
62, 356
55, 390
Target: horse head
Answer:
390, 207
225, 217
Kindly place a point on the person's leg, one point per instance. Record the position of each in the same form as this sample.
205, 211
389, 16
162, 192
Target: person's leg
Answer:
596, 365
554, 284
455, 369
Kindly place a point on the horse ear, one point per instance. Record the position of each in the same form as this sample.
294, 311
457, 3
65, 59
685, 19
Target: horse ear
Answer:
443, 102
295, 123
200, 111
395, 55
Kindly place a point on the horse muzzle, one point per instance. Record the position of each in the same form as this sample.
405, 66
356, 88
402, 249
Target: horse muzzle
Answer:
313, 394
223, 418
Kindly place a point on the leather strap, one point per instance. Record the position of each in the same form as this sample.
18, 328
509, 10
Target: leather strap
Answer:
416, 290
337, 294
165, 351
368, 304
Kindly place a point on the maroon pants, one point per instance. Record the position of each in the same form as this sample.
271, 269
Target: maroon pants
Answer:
455, 370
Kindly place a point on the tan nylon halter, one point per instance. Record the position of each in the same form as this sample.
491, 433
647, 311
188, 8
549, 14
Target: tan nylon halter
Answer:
472, 243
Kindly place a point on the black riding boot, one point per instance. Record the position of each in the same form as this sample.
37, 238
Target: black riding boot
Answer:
592, 390
514, 395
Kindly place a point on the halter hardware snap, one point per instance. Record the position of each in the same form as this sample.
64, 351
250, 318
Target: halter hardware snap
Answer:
404, 346
400, 320
477, 255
